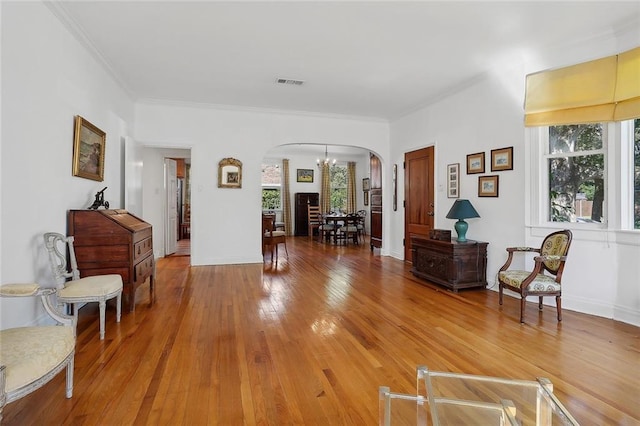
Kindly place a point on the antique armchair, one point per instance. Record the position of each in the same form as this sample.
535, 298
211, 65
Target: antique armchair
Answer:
99, 288
31, 356
546, 276
270, 237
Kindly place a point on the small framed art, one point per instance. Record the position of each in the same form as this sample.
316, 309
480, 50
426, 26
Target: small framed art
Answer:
304, 175
229, 173
453, 180
488, 186
502, 159
88, 150
366, 185
475, 163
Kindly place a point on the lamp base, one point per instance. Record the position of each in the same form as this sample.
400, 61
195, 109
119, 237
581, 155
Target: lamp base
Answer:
461, 228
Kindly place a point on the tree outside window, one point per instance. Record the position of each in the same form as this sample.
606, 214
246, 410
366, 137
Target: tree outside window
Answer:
271, 193
576, 167
338, 177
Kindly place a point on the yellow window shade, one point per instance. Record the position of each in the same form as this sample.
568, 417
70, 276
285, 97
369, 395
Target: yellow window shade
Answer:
605, 89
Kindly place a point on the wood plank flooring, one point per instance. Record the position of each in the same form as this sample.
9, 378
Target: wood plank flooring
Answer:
311, 339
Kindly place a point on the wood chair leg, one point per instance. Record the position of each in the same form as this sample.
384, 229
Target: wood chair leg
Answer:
119, 302
559, 307
540, 303
523, 301
500, 293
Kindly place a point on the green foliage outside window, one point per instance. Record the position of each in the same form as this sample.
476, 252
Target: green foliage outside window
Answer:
270, 199
338, 176
578, 176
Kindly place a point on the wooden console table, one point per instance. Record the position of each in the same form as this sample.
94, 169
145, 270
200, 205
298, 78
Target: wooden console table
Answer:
450, 263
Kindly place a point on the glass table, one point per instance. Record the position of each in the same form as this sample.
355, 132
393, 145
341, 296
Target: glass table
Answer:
463, 399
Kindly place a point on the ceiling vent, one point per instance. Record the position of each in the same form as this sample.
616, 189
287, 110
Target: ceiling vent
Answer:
290, 81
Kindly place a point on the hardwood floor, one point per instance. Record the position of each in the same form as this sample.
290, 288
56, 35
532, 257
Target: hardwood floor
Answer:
309, 341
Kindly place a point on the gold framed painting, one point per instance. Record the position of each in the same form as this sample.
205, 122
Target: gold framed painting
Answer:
502, 159
475, 163
229, 173
488, 186
88, 150
304, 175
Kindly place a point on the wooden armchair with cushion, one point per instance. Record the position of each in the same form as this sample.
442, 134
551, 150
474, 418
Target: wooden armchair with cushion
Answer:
546, 276
271, 237
31, 356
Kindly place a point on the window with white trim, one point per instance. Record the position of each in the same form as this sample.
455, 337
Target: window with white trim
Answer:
586, 174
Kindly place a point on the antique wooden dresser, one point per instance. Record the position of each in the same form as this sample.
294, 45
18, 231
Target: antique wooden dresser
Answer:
114, 242
450, 263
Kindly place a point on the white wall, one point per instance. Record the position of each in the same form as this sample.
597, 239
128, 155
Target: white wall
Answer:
602, 274
47, 79
225, 222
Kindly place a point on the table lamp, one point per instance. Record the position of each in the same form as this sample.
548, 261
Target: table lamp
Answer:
462, 209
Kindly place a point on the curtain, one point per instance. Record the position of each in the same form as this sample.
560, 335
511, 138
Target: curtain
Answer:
286, 197
351, 187
606, 89
325, 189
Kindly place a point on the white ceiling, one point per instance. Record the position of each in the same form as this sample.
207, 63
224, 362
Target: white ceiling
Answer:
366, 59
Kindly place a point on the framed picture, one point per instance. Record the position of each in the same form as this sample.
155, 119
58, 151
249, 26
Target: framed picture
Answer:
366, 186
453, 180
305, 175
88, 150
366, 198
488, 186
475, 163
502, 159
229, 173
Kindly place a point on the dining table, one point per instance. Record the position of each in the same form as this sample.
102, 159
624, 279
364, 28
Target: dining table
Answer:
338, 220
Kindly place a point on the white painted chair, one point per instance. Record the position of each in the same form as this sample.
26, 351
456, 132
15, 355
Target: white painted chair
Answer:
31, 356
99, 288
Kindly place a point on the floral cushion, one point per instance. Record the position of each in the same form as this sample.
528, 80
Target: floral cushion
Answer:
29, 353
555, 245
542, 283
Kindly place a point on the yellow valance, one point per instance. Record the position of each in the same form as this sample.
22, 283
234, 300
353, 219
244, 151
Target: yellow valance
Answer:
606, 89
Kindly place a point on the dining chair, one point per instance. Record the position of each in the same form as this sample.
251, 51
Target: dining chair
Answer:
98, 288
272, 237
312, 219
326, 230
350, 229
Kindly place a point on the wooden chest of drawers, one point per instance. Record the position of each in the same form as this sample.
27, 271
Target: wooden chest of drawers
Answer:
114, 242
450, 263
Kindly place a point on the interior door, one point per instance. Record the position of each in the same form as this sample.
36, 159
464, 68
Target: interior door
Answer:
418, 195
171, 186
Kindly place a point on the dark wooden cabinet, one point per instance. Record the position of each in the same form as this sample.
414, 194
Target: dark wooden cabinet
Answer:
302, 200
375, 198
114, 242
450, 263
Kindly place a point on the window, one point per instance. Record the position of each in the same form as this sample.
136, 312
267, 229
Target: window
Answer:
587, 174
271, 181
575, 161
338, 176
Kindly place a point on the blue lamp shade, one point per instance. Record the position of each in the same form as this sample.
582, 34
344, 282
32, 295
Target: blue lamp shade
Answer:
462, 209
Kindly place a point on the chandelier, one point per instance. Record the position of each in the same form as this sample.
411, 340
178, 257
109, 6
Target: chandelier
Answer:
326, 160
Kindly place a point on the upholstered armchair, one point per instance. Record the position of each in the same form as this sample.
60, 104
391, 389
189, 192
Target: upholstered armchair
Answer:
271, 237
545, 278
31, 356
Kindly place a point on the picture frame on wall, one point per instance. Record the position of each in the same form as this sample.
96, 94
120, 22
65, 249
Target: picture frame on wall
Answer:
229, 173
88, 150
304, 175
502, 159
453, 180
475, 163
488, 186
366, 186
366, 198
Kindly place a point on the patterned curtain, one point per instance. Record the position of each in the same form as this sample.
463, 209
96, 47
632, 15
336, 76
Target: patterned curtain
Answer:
325, 189
351, 187
286, 197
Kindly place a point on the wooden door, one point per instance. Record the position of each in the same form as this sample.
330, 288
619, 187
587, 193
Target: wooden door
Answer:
375, 179
418, 196
171, 185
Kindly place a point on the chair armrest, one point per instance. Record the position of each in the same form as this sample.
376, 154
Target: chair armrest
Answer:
20, 290
514, 249
550, 257
33, 290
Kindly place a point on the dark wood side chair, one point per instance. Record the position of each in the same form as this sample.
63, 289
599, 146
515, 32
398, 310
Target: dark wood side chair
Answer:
271, 237
312, 218
545, 278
